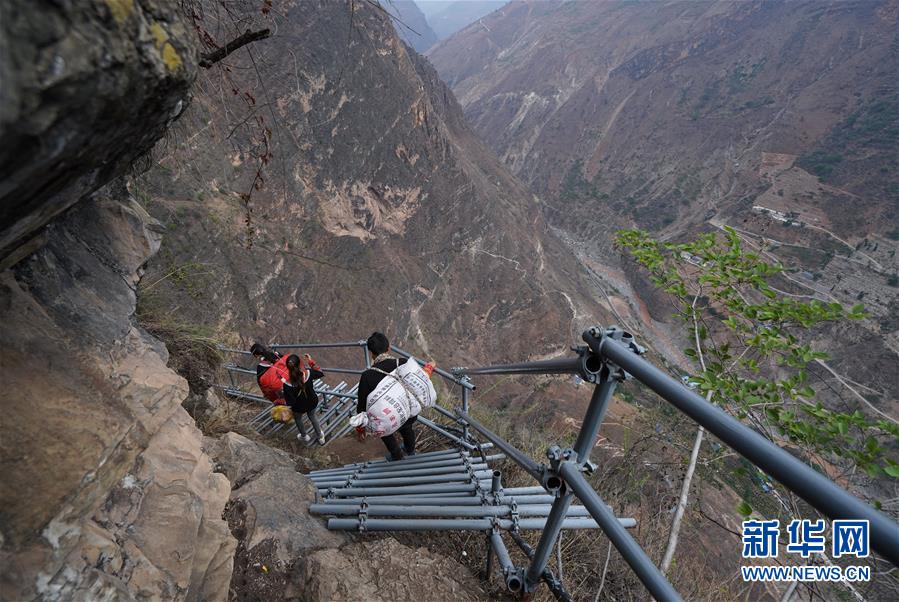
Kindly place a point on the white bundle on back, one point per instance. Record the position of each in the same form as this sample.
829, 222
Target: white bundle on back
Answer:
399, 396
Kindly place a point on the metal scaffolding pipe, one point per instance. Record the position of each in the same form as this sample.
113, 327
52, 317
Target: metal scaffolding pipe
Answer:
469, 511
364, 476
496, 482
526, 499
459, 495
411, 461
465, 403
582, 365
549, 578
596, 411
629, 549
809, 484
445, 412
442, 499
341, 370
401, 465
336, 394
455, 477
346, 429
599, 401
516, 491
416, 457
441, 431
331, 412
411, 489
343, 414
454, 464
318, 345
554, 523
515, 454
449, 524
510, 573
408, 464
446, 375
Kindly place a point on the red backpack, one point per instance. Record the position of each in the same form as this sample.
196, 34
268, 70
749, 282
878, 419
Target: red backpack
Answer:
270, 382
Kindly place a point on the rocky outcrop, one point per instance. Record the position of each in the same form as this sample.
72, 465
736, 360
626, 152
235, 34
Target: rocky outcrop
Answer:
287, 554
87, 89
107, 493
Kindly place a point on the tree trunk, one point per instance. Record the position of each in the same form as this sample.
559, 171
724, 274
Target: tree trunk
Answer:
682, 502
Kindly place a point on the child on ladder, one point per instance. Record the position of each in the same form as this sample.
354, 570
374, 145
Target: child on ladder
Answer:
299, 392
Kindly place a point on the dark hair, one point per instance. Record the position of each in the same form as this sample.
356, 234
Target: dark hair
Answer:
260, 349
377, 343
293, 368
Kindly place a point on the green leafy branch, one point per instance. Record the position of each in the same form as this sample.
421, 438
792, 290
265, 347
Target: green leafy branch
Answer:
755, 359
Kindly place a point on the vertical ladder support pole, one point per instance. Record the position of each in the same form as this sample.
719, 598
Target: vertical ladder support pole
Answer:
629, 549
596, 411
367, 358
465, 393
547, 539
489, 558
599, 403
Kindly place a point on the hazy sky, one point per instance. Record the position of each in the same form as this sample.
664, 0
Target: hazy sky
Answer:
448, 16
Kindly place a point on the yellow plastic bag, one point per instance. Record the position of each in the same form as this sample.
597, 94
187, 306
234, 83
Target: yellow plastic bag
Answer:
282, 413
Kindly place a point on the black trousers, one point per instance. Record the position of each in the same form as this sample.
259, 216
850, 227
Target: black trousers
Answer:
408, 434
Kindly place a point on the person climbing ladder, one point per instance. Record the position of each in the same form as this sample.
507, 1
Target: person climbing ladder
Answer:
382, 365
299, 392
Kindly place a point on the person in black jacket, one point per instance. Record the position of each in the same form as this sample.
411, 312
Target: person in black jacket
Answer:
299, 392
379, 347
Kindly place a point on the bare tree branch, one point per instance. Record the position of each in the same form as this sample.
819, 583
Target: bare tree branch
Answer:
208, 59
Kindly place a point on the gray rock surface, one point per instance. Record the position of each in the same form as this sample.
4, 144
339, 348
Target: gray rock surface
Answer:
284, 553
106, 492
272, 497
87, 88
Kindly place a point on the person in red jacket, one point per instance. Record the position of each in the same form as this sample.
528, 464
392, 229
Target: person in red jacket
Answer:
299, 392
270, 371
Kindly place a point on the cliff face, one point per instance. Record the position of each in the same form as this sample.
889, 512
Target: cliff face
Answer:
268, 512
380, 209
106, 492
86, 90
